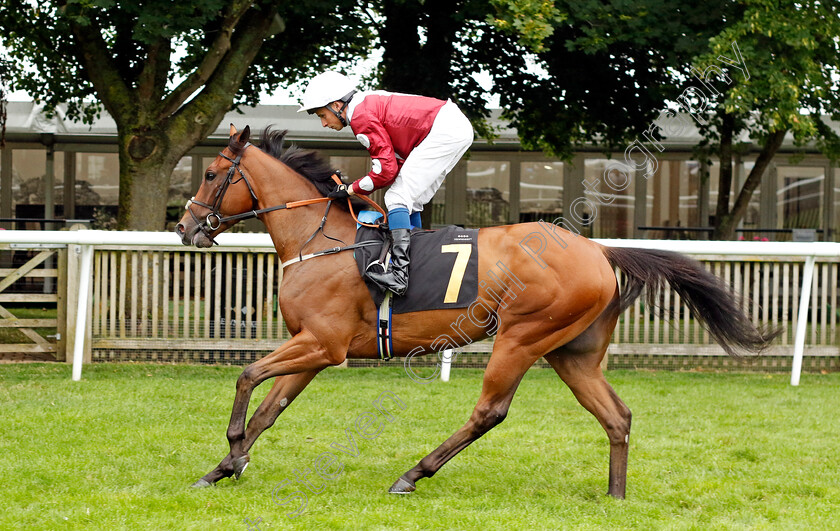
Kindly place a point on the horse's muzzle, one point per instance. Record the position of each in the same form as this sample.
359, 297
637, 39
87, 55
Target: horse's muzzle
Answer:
181, 231
193, 236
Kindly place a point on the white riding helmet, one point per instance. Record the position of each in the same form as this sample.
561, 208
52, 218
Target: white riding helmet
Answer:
326, 88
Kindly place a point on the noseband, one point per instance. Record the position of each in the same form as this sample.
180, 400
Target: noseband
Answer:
208, 225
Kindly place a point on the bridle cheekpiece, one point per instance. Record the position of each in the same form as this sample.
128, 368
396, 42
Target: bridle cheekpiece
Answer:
209, 225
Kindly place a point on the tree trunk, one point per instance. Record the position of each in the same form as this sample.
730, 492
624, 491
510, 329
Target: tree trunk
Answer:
401, 45
725, 228
155, 128
723, 219
146, 164
414, 65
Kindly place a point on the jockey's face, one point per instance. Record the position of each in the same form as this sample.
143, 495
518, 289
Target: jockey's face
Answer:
328, 118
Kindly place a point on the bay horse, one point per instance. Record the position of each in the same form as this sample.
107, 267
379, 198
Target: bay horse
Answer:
558, 300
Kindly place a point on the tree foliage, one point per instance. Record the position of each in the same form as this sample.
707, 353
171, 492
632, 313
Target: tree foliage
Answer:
422, 51
167, 72
531, 21
609, 68
567, 72
602, 75
792, 51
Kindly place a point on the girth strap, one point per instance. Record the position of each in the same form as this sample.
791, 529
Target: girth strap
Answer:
384, 342
333, 250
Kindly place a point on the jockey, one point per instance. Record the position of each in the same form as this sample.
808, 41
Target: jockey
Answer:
413, 141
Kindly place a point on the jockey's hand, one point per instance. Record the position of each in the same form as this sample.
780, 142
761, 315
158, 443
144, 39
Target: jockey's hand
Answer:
342, 191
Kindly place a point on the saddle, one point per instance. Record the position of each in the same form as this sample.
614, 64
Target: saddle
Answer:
443, 270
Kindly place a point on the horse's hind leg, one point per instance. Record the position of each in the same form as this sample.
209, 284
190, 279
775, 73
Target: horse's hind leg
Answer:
285, 389
501, 378
580, 368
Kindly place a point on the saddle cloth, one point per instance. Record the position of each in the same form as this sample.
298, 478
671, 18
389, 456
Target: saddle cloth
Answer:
443, 273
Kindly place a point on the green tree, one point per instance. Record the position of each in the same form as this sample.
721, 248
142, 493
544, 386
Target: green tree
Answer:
568, 73
423, 44
422, 51
592, 71
790, 85
167, 72
773, 69
534, 50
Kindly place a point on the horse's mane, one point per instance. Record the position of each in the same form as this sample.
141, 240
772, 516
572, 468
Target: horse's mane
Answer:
306, 162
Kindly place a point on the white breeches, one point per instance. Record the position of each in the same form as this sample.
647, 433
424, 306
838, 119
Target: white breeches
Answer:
427, 165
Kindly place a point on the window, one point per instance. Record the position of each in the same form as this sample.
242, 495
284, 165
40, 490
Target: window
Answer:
437, 208
180, 185
608, 211
488, 193
28, 170
540, 191
97, 188
351, 168
673, 200
97, 179
799, 197
835, 234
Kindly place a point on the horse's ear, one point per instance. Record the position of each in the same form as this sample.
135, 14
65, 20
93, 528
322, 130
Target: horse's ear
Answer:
245, 134
232, 130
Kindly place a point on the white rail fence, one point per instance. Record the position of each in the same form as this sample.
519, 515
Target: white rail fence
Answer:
144, 290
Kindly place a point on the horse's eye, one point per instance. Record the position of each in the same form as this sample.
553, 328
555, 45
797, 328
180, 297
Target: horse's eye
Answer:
209, 175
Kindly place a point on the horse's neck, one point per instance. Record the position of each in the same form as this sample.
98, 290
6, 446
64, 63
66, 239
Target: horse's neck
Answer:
291, 228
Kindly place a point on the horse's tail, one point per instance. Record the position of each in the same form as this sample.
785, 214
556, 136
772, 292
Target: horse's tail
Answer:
707, 297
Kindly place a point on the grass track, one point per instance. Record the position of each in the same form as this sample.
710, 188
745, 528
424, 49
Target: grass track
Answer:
708, 451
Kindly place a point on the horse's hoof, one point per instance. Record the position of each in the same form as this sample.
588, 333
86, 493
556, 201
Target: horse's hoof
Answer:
240, 464
402, 486
201, 483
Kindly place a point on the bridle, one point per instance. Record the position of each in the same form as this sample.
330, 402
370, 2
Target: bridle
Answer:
208, 226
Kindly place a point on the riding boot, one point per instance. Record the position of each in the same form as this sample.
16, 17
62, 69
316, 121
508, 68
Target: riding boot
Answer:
396, 276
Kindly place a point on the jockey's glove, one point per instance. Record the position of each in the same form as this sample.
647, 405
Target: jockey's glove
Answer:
342, 191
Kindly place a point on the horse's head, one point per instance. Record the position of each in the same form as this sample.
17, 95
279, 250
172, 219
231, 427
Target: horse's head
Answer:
225, 191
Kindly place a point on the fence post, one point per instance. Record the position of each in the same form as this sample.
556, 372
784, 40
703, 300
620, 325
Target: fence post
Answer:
446, 366
71, 301
61, 305
85, 270
802, 322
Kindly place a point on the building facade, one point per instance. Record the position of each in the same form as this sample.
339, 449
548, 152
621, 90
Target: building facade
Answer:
642, 193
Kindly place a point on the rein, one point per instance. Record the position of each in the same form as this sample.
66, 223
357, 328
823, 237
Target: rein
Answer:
294, 204
208, 226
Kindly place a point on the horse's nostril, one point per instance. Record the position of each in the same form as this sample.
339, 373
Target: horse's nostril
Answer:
179, 229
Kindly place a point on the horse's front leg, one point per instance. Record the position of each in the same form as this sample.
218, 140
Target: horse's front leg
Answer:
283, 393
301, 358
